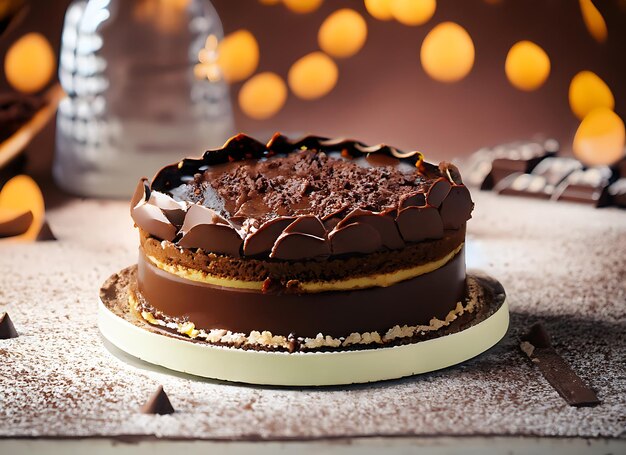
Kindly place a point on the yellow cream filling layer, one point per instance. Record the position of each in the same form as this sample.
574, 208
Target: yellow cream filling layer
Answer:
380, 280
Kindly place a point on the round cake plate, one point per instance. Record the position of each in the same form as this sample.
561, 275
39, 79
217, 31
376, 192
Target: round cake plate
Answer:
303, 369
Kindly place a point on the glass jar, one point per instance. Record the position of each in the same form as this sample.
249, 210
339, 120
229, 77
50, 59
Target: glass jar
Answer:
133, 102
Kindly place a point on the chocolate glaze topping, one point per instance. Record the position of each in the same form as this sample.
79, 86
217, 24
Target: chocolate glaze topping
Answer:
292, 200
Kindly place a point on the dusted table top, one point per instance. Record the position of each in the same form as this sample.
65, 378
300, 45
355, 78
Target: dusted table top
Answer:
563, 264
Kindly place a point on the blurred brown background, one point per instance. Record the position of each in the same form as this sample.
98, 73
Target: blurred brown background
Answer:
383, 94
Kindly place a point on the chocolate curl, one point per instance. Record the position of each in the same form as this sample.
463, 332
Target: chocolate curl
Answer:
158, 403
537, 346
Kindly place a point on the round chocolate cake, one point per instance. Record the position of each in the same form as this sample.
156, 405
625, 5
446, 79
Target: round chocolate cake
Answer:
304, 245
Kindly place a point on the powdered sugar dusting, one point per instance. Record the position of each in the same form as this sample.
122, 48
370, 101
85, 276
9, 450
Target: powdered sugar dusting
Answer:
562, 263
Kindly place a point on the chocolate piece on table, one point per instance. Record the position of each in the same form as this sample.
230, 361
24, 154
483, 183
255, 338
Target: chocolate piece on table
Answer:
14, 222
585, 185
617, 192
555, 169
537, 346
520, 184
490, 166
45, 233
158, 403
7, 329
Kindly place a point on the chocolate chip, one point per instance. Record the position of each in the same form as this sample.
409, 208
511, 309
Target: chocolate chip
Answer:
158, 403
7, 329
45, 233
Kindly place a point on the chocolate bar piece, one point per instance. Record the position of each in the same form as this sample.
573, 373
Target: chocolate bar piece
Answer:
520, 184
542, 181
489, 166
537, 346
587, 186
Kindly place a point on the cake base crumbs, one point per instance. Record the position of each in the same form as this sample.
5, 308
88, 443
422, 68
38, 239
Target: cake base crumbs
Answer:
269, 341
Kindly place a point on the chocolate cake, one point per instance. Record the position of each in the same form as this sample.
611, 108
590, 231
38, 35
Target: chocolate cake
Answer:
304, 245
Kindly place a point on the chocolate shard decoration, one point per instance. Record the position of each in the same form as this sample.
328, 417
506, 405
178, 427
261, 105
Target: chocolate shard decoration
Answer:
141, 194
453, 173
174, 211
158, 403
45, 233
355, 238
383, 224
151, 219
537, 346
7, 329
206, 229
14, 222
412, 200
294, 247
438, 192
420, 223
309, 224
262, 240
457, 208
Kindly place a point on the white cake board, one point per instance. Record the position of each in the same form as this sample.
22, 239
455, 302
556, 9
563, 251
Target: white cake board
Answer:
303, 369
